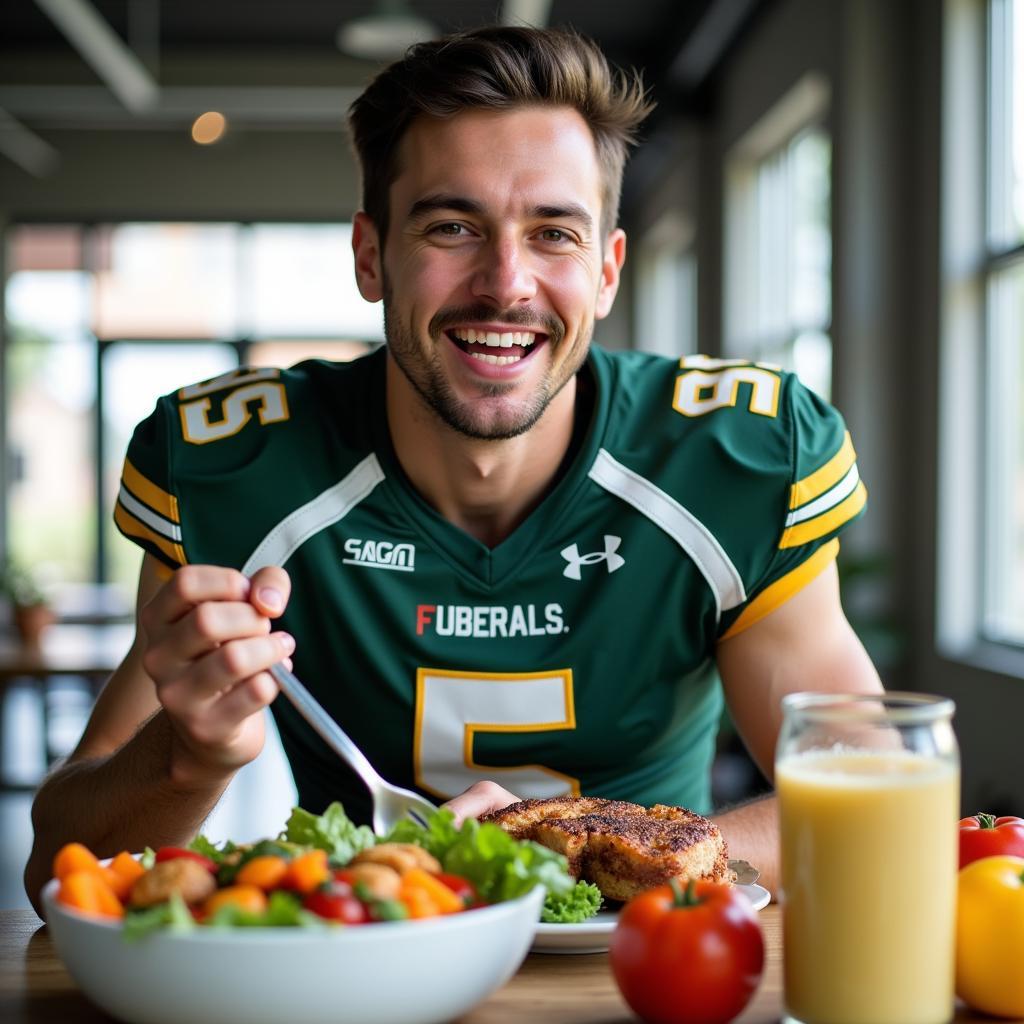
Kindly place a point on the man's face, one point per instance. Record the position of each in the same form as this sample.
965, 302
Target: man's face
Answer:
494, 268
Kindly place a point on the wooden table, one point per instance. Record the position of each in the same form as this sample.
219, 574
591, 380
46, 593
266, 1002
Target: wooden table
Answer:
35, 988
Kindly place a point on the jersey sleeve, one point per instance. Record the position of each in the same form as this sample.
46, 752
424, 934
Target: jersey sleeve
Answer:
825, 494
147, 511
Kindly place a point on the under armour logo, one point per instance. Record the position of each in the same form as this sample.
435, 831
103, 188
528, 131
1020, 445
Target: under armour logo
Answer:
572, 555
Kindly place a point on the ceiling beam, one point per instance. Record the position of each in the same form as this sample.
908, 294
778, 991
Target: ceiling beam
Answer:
526, 12
706, 44
92, 106
105, 52
25, 148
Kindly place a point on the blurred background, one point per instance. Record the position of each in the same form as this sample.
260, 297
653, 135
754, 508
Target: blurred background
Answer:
834, 185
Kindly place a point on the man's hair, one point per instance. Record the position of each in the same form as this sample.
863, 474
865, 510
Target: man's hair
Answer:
497, 68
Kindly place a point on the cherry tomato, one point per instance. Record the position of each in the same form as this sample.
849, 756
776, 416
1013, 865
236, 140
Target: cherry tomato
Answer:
985, 835
683, 956
174, 852
335, 904
462, 887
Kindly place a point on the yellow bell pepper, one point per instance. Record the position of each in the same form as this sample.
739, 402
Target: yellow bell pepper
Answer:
990, 935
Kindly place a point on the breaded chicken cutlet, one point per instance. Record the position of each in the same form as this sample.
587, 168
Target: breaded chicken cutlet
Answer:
621, 847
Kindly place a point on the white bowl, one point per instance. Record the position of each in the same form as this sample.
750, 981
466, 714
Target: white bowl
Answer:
400, 972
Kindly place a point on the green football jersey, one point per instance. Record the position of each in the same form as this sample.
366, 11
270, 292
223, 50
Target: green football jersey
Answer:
574, 657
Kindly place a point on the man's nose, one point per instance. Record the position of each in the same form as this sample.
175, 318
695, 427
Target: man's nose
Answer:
504, 274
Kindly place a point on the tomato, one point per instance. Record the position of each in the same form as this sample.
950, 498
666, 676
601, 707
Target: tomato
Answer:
337, 904
687, 956
990, 935
174, 852
462, 887
985, 835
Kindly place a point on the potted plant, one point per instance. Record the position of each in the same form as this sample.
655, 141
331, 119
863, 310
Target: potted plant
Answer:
30, 610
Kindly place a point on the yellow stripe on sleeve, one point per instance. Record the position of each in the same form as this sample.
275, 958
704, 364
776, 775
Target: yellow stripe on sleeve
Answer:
135, 528
783, 589
147, 491
817, 527
827, 476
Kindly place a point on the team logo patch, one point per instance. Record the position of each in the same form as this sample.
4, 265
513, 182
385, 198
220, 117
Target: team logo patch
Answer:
572, 555
380, 554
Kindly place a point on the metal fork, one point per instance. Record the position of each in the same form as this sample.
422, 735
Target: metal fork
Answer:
390, 803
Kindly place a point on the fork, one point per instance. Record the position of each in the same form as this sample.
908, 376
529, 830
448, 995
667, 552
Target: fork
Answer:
391, 804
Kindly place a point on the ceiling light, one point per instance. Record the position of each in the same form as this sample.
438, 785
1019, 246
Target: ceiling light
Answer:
209, 128
386, 33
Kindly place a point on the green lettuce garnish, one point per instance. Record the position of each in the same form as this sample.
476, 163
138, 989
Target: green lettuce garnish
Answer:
332, 831
500, 867
173, 916
581, 902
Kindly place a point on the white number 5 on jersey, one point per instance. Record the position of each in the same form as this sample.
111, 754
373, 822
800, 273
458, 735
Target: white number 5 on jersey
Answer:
453, 707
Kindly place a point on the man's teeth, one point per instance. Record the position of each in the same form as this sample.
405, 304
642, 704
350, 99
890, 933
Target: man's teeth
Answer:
495, 360
495, 340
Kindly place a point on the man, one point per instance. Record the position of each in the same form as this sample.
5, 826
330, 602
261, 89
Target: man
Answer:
495, 553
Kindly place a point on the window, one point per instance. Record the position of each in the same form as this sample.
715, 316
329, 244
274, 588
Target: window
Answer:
666, 276
778, 304
103, 319
1003, 595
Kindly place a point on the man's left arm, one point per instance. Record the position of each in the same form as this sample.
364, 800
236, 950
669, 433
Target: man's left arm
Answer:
804, 644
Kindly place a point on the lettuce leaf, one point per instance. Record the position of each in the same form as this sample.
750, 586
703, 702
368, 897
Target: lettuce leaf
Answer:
581, 902
173, 916
501, 868
332, 831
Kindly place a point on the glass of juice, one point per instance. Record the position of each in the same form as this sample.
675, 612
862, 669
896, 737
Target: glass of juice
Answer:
869, 800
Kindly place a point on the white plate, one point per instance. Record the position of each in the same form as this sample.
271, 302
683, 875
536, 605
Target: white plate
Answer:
593, 936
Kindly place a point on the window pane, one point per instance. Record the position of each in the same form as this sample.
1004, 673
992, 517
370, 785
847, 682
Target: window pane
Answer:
135, 375
50, 392
1006, 125
299, 283
812, 236
1004, 596
166, 280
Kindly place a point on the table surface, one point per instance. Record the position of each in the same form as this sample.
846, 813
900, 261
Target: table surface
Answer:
72, 649
548, 989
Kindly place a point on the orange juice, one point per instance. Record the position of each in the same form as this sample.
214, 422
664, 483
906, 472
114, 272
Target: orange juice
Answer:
869, 864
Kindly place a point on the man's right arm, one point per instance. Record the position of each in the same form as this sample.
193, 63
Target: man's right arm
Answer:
173, 724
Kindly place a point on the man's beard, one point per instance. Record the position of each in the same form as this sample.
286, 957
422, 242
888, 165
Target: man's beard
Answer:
494, 420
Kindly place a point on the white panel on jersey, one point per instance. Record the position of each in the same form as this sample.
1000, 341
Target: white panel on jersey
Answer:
682, 526
453, 707
316, 515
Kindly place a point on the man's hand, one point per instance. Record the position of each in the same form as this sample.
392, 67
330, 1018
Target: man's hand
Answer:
207, 646
481, 798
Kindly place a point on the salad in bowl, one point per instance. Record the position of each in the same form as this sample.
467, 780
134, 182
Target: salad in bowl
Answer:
324, 922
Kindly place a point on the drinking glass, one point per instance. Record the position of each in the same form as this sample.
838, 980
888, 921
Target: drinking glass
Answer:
869, 801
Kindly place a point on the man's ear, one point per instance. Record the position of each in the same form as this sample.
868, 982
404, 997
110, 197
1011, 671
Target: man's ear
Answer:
367, 251
611, 265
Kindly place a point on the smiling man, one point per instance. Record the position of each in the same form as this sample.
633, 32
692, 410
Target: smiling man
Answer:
497, 553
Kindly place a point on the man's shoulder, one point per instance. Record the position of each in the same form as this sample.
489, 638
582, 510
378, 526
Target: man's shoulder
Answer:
726, 408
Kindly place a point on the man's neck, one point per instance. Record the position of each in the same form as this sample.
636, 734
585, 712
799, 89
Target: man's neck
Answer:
486, 488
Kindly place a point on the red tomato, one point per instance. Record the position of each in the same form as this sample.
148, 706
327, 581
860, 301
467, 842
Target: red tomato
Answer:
985, 835
335, 904
692, 956
174, 852
462, 887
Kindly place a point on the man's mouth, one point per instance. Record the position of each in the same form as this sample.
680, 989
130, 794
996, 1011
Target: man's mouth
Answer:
494, 347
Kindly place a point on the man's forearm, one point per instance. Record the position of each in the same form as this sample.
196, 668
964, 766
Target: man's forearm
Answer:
752, 834
125, 801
